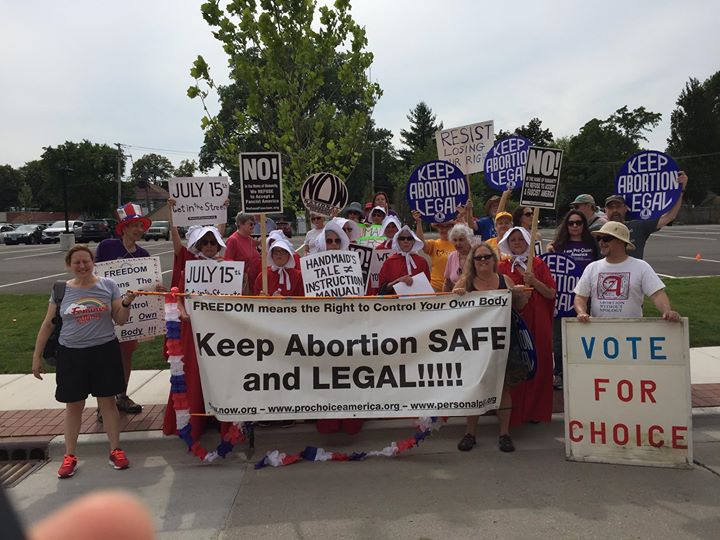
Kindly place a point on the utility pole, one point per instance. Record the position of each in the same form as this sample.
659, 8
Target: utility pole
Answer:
119, 174
372, 172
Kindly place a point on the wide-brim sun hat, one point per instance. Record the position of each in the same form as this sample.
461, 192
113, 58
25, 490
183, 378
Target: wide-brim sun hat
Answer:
130, 213
616, 230
353, 207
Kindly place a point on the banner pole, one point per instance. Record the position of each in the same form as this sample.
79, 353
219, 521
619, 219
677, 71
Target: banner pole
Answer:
264, 254
533, 232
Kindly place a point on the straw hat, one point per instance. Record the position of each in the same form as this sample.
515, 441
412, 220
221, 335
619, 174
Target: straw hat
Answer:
616, 230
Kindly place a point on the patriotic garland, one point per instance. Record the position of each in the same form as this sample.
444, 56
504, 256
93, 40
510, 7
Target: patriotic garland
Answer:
178, 390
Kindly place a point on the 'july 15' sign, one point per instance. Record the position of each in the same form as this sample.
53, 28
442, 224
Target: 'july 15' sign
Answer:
649, 182
261, 182
466, 146
435, 189
542, 176
199, 200
505, 163
214, 277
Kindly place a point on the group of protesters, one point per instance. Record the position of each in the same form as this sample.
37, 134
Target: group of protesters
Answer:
494, 251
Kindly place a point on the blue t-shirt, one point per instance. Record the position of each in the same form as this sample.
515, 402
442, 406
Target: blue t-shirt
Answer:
111, 249
579, 251
485, 228
87, 314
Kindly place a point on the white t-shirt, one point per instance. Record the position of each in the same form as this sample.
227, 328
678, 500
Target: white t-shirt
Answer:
618, 290
310, 237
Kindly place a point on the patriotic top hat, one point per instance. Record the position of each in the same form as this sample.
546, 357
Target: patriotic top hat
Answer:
130, 213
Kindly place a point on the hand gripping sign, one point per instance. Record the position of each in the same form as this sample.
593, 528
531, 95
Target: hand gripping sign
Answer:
649, 182
435, 189
505, 163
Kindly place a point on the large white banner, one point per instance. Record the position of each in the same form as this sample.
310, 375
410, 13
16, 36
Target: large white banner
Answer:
265, 359
332, 273
147, 315
214, 277
627, 392
199, 200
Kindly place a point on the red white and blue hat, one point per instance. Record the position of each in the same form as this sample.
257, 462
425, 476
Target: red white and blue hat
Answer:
130, 213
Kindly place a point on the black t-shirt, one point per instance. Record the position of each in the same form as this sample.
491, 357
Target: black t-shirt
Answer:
640, 231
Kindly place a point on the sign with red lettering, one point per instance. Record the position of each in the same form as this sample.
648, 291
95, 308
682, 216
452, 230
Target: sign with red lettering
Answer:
627, 392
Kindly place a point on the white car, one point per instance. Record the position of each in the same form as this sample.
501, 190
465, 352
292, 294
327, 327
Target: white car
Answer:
53, 232
5, 228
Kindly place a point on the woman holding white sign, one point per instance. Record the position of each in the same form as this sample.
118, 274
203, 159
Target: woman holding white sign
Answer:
402, 265
532, 399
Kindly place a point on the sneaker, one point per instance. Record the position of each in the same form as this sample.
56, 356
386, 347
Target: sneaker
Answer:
118, 459
125, 404
68, 467
557, 382
466, 443
505, 443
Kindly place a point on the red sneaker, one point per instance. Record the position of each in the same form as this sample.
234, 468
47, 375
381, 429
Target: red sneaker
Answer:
118, 459
68, 467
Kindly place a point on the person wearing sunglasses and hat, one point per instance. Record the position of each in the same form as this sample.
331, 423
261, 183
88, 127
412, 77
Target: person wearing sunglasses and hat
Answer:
641, 229
373, 229
403, 264
618, 283
354, 212
130, 229
318, 222
437, 249
585, 203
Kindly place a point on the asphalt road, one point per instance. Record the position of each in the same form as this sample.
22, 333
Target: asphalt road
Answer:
671, 251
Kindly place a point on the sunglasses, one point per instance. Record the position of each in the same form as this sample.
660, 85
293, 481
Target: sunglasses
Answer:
607, 238
332, 241
482, 257
405, 238
378, 214
207, 241
574, 223
527, 214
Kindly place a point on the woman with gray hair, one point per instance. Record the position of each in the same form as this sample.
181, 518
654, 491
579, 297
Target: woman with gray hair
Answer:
463, 239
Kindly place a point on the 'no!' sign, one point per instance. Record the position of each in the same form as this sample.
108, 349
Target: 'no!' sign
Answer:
435, 189
649, 182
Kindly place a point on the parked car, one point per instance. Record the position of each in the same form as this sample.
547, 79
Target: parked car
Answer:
158, 229
96, 230
25, 234
53, 232
5, 228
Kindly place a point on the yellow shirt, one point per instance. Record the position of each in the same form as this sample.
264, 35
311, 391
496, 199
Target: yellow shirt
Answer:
438, 253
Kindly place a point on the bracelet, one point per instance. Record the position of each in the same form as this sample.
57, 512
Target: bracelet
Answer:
126, 306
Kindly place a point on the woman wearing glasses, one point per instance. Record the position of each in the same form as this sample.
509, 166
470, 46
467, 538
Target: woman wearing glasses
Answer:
402, 265
522, 217
462, 238
318, 222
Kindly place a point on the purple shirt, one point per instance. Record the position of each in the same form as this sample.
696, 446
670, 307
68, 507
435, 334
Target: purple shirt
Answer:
111, 249
579, 251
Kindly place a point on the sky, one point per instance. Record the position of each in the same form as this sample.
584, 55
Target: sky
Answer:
118, 72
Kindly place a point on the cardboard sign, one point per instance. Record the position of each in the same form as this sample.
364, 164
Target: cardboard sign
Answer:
649, 182
324, 192
199, 200
270, 359
147, 314
261, 182
364, 254
435, 189
332, 273
542, 176
214, 277
379, 256
566, 273
627, 392
505, 163
466, 146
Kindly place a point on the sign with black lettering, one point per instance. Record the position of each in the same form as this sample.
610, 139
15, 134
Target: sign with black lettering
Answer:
379, 256
466, 146
436, 189
199, 200
332, 273
365, 255
324, 192
505, 163
214, 277
649, 182
542, 177
261, 182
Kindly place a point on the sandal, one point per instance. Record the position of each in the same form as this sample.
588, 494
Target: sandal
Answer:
505, 443
466, 443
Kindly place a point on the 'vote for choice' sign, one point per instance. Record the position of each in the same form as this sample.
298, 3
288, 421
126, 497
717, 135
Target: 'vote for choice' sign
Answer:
649, 182
466, 146
505, 163
435, 189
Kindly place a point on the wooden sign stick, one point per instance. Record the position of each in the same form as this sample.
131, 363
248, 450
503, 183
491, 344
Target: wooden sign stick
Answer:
264, 254
533, 232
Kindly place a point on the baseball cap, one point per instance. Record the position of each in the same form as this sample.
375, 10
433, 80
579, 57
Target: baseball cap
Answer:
614, 198
584, 198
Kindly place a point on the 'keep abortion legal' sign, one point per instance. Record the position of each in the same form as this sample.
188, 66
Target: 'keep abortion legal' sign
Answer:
649, 182
542, 176
566, 273
505, 163
261, 182
199, 200
466, 146
435, 189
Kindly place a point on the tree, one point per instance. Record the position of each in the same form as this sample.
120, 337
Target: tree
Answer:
91, 184
533, 131
695, 135
152, 168
36, 176
25, 196
299, 86
420, 138
359, 181
186, 169
10, 183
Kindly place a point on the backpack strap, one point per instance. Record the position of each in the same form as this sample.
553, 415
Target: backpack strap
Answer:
59, 291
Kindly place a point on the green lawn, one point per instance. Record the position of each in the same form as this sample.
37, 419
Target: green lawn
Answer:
21, 315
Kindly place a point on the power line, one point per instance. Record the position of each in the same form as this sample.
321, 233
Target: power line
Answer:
167, 150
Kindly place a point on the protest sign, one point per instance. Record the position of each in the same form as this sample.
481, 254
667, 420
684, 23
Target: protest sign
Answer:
566, 273
627, 392
264, 359
147, 318
420, 285
649, 182
261, 182
505, 163
199, 200
364, 254
324, 192
542, 175
214, 277
379, 256
435, 189
332, 273
466, 146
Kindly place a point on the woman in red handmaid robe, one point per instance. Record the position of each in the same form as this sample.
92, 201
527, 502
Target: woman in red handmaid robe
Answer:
532, 399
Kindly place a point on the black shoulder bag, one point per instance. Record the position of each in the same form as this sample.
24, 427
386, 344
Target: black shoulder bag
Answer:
50, 350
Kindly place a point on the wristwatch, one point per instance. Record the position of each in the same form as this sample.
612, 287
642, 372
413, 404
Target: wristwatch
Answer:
126, 305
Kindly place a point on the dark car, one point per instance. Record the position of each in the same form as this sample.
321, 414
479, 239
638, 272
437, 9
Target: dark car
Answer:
96, 230
25, 234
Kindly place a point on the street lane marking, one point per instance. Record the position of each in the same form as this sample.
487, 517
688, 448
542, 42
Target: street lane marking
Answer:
686, 237
31, 280
33, 255
667, 276
701, 259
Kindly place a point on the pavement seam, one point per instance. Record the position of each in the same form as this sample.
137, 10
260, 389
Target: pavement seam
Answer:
709, 469
232, 504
